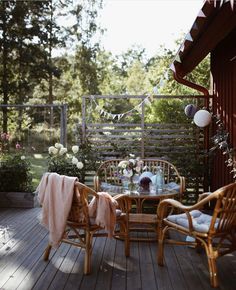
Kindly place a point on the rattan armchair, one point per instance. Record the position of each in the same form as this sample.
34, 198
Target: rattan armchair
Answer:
81, 228
216, 233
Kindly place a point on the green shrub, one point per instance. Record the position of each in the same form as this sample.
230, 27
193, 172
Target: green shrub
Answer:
14, 167
15, 173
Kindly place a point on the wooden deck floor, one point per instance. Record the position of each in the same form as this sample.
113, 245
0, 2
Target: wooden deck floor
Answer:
22, 266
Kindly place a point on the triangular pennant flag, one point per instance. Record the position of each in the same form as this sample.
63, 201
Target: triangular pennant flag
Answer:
101, 112
172, 67
194, 26
181, 48
138, 109
177, 58
147, 102
189, 37
114, 116
166, 76
162, 83
155, 90
232, 4
201, 14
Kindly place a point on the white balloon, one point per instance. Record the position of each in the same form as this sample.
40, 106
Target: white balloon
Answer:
202, 118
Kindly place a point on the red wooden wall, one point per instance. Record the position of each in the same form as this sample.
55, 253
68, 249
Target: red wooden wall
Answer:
223, 68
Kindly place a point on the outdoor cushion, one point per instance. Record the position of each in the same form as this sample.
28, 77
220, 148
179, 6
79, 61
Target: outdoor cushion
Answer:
201, 221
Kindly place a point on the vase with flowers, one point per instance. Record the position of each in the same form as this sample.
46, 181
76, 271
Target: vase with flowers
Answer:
129, 170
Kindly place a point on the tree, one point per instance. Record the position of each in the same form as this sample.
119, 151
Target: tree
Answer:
25, 28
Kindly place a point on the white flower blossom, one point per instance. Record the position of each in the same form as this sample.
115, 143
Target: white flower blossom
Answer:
52, 150
123, 164
22, 157
133, 161
58, 146
80, 165
74, 160
75, 149
62, 151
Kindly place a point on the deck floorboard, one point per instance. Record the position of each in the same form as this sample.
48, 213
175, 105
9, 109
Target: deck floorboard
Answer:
22, 266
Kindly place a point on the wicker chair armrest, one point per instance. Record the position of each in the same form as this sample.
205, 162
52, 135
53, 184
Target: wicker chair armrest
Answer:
203, 195
166, 205
124, 202
182, 184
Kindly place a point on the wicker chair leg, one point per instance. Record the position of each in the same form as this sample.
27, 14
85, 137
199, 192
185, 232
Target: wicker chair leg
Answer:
88, 252
127, 243
47, 252
160, 250
211, 256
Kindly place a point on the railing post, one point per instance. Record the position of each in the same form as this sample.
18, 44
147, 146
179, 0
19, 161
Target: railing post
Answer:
142, 127
63, 134
83, 119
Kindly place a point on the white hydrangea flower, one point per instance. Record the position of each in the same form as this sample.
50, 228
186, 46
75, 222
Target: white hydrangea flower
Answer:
80, 165
123, 164
62, 151
133, 161
50, 149
58, 146
75, 149
22, 157
74, 160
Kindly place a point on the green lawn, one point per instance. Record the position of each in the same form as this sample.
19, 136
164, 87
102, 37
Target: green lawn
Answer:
39, 166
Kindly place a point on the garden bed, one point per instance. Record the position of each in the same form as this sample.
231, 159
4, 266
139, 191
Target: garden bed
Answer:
18, 199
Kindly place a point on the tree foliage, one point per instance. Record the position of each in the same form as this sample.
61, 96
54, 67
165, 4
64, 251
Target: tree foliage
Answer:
31, 31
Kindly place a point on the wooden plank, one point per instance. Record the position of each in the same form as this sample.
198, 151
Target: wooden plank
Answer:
89, 281
133, 268
146, 266
52, 267
23, 270
107, 264
118, 280
161, 273
11, 262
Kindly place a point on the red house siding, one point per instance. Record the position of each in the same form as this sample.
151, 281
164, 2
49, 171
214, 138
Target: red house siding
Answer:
223, 68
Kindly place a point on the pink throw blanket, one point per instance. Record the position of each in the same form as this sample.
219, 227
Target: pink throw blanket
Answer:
55, 195
103, 210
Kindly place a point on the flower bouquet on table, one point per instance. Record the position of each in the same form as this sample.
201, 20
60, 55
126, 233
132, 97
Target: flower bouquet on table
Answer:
65, 163
129, 170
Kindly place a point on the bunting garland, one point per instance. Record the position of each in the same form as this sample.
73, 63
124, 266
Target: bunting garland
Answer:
188, 36
137, 109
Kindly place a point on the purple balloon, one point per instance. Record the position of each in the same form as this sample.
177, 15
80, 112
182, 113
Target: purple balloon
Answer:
190, 110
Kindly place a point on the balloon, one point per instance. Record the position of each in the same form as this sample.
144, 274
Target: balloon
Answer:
202, 118
190, 110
